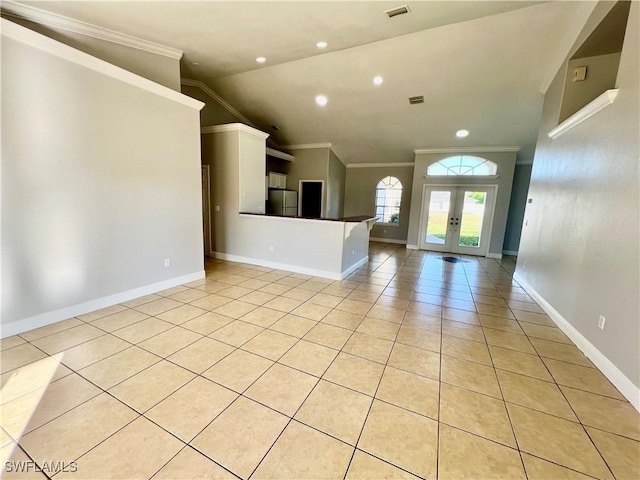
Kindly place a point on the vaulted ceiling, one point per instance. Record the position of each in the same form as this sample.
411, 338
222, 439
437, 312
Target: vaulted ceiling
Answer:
481, 65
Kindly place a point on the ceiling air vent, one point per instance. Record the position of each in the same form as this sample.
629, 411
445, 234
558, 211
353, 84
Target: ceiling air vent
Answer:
394, 12
416, 100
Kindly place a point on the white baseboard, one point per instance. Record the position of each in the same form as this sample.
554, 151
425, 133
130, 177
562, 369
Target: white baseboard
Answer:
412, 247
494, 255
513, 253
630, 391
388, 240
292, 268
37, 321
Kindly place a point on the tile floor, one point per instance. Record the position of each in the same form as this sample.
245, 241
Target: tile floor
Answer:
411, 368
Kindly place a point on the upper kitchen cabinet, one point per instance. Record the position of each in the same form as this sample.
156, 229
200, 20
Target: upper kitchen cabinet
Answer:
237, 154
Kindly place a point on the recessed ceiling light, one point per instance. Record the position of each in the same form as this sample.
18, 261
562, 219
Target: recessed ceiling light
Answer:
321, 100
322, 44
462, 133
378, 80
261, 59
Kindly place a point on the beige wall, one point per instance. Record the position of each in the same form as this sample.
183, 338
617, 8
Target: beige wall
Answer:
309, 164
581, 242
100, 183
601, 75
360, 197
506, 164
160, 69
336, 178
213, 112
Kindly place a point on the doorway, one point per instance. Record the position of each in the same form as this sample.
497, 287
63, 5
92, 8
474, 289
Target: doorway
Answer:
457, 219
206, 215
311, 198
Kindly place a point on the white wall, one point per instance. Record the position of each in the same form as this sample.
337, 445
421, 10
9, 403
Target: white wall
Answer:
506, 164
100, 182
581, 242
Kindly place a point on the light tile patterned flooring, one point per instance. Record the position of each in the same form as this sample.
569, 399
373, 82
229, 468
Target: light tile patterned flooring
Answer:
412, 367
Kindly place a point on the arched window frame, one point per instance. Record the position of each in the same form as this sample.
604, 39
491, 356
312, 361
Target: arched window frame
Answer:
463, 166
388, 200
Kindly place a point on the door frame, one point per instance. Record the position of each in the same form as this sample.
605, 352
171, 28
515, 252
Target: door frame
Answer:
300, 182
490, 217
206, 215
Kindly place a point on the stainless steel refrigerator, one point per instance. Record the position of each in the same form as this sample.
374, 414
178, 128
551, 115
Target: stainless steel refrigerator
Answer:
283, 202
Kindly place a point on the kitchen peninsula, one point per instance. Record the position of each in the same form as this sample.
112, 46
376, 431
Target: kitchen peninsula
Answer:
242, 232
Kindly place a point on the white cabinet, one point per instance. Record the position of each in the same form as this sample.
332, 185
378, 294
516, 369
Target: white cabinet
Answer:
277, 180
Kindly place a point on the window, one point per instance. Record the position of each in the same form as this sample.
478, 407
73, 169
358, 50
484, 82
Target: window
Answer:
465, 165
388, 198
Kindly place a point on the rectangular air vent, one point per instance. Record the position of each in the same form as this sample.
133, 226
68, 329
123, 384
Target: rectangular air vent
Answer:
416, 100
394, 12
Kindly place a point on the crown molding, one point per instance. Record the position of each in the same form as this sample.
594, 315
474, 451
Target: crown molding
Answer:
380, 165
306, 146
234, 127
45, 44
467, 150
591, 108
209, 91
60, 22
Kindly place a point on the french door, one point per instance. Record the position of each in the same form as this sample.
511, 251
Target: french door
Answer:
457, 219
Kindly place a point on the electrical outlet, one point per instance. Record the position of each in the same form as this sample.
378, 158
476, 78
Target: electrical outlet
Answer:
353, 252
271, 248
525, 265
167, 262
384, 231
601, 321
217, 208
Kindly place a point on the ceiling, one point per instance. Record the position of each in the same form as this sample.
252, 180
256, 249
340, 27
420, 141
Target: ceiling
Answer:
479, 64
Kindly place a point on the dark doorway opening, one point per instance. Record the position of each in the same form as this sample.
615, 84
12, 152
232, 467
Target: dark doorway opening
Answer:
311, 198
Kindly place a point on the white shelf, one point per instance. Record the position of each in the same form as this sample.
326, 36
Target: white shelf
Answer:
585, 112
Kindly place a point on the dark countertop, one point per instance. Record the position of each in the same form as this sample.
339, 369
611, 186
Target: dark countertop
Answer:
357, 218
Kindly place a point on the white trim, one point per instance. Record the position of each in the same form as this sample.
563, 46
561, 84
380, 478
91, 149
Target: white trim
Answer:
354, 267
418, 151
43, 319
59, 22
291, 268
411, 246
593, 107
305, 146
513, 253
281, 155
381, 165
630, 391
388, 240
206, 89
494, 255
234, 127
41, 42
479, 177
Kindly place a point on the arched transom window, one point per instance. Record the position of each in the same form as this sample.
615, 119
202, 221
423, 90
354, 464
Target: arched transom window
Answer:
466, 165
388, 199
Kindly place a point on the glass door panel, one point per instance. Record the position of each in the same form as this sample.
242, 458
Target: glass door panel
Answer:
472, 218
437, 221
